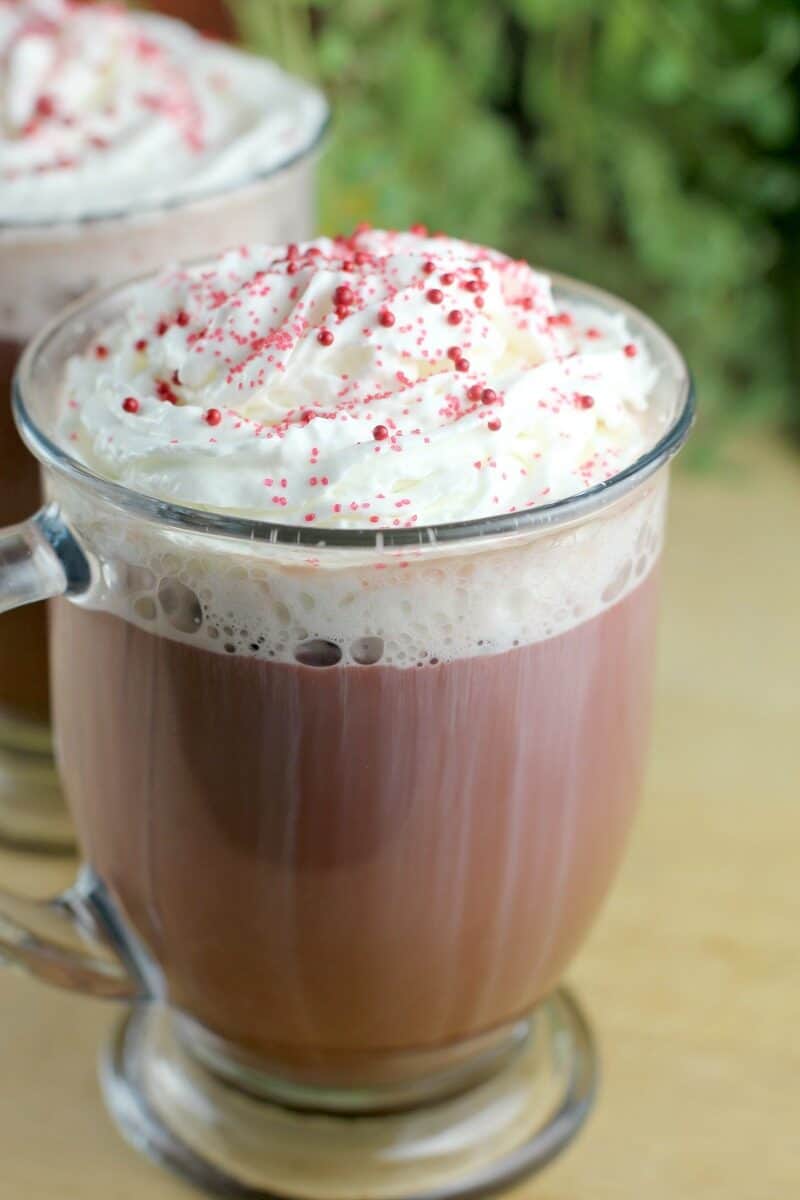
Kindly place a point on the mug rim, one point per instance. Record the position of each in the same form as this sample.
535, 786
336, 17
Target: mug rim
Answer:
192, 519
165, 206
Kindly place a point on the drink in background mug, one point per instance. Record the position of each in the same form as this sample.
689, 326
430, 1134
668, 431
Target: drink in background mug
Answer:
337, 854
87, 203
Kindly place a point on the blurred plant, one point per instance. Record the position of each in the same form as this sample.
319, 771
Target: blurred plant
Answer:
648, 145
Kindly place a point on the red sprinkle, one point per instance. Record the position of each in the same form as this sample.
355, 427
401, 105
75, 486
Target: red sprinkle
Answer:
455, 317
479, 301
462, 364
45, 106
165, 392
325, 337
213, 416
494, 425
343, 295
488, 395
630, 350
162, 327
380, 433
183, 319
419, 230
140, 345
130, 404
584, 401
435, 296
386, 318
101, 351
428, 267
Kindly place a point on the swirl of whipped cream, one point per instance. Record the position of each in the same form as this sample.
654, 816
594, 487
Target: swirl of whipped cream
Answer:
103, 111
385, 379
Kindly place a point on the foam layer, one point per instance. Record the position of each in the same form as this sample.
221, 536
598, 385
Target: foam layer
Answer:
103, 111
404, 609
384, 380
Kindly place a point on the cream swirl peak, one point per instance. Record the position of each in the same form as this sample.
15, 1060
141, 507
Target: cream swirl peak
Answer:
381, 380
102, 110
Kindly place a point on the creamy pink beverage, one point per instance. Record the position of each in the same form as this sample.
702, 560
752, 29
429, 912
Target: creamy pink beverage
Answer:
420, 850
360, 802
126, 141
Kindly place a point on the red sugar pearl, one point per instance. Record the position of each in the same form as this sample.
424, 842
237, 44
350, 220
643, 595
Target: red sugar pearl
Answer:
448, 278
161, 328
472, 285
325, 337
213, 417
343, 295
419, 230
584, 401
386, 318
428, 267
488, 396
140, 345
455, 317
435, 296
183, 319
479, 301
45, 106
380, 433
630, 350
462, 364
454, 352
494, 425
101, 351
130, 404
342, 311
475, 392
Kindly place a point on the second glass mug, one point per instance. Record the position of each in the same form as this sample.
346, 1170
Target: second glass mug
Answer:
338, 855
42, 268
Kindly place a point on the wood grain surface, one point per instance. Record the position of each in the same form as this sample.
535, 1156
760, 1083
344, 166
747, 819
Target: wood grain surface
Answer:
692, 976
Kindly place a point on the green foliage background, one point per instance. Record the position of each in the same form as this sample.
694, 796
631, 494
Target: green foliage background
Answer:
650, 146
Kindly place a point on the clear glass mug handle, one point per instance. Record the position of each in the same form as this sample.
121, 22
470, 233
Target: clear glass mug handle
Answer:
73, 941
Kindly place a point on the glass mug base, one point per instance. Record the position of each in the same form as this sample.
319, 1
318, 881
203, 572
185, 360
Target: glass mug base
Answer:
32, 810
233, 1142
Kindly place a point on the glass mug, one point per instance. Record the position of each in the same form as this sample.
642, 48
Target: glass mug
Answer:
43, 267
348, 802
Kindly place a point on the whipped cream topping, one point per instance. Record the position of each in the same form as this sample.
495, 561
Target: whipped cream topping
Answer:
103, 111
381, 380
